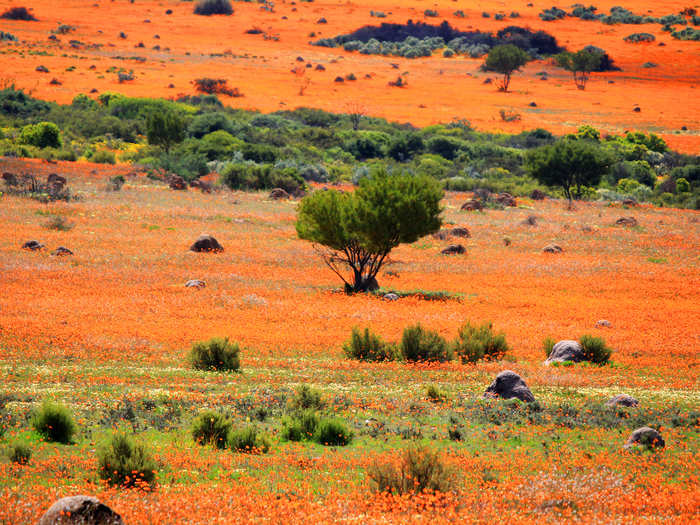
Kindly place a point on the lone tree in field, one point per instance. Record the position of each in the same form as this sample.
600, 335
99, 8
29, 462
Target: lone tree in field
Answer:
356, 231
581, 64
569, 163
165, 129
506, 59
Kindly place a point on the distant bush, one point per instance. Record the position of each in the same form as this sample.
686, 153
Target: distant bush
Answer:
252, 176
366, 346
215, 354
115, 183
300, 426
332, 432
306, 398
19, 453
595, 350
212, 428
41, 135
430, 13
474, 343
7, 37
640, 37
419, 470
58, 223
18, 13
419, 344
103, 156
125, 463
248, 440
216, 86
213, 7
54, 423
434, 394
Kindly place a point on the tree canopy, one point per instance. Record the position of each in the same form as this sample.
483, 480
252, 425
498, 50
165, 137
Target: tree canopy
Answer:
356, 231
165, 129
506, 59
580, 64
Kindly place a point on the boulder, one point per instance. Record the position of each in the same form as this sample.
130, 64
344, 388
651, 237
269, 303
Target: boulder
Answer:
176, 182
622, 400
453, 249
566, 350
278, 194
195, 283
61, 251
472, 205
206, 243
603, 323
630, 202
645, 436
552, 248
626, 221
391, 297
538, 195
55, 178
460, 232
32, 246
83, 510
507, 385
505, 199
530, 221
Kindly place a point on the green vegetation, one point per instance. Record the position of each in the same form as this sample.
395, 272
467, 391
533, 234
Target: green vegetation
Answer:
215, 354
54, 423
125, 463
212, 428
505, 59
419, 470
421, 345
369, 347
248, 440
580, 64
19, 453
475, 343
595, 350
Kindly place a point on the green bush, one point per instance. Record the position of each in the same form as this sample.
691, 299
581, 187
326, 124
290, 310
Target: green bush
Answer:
305, 398
54, 422
332, 432
210, 427
41, 135
300, 426
103, 156
248, 440
250, 176
125, 463
368, 347
20, 453
418, 344
215, 354
435, 395
682, 185
419, 470
213, 7
595, 349
474, 343
548, 345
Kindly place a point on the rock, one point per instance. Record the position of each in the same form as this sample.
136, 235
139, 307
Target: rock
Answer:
453, 249
645, 436
586, 229
442, 235
537, 195
507, 385
176, 182
460, 232
391, 297
533, 104
637, 109
626, 221
195, 283
622, 400
530, 221
552, 248
630, 202
206, 243
83, 510
472, 205
42, 69
566, 350
32, 246
603, 323
61, 251
10, 179
505, 199
56, 179
278, 194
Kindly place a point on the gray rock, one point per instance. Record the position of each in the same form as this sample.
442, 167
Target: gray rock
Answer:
80, 510
32, 246
622, 400
278, 194
566, 350
206, 243
507, 385
472, 205
391, 297
460, 232
627, 221
453, 249
647, 437
195, 283
552, 248
603, 323
61, 251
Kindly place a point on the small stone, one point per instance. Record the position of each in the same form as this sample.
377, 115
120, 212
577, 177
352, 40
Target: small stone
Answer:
603, 323
530, 221
206, 243
61, 251
32, 246
460, 232
391, 297
622, 400
552, 248
505, 199
627, 221
472, 205
195, 283
645, 436
278, 194
453, 249
176, 182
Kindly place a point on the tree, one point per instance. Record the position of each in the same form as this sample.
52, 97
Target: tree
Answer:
506, 59
356, 231
165, 129
569, 163
580, 64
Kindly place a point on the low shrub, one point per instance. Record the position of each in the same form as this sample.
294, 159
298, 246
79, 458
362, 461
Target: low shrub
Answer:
54, 422
41, 135
332, 432
248, 440
639, 37
418, 470
212, 428
103, 156
306, 398
58, 223
115, 183
548, 345
19, 453
474, 343
18, 13
126, 463
366, 346
435, 395
300, 426
595, 350
215, 354
419, 344
213, 7
216, 86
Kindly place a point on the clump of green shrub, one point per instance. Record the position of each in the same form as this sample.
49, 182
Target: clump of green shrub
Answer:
300, 426
435, 395
213, 7
215, 354
639, 37
366, 346
126, 463
103, 156
41, 135
20, 453
474, 343
18, 13
306, 398
548, 345
210, 427
595, 350
419, 344
332, 432
54, 423
248, 440
419, 470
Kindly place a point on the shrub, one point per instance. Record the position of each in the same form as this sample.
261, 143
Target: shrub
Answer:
332, 432
54, 423
306, 398
103, 156
41, 135
213, 7
210, 427
640, 37
123, 462
215, 354
20, 453
595, 349
474, 343
215, 85
18, 13
418, 344
434, 394
300, 426
59, 223
368, 347
419, 470
248, 440
548, 345
115, 183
